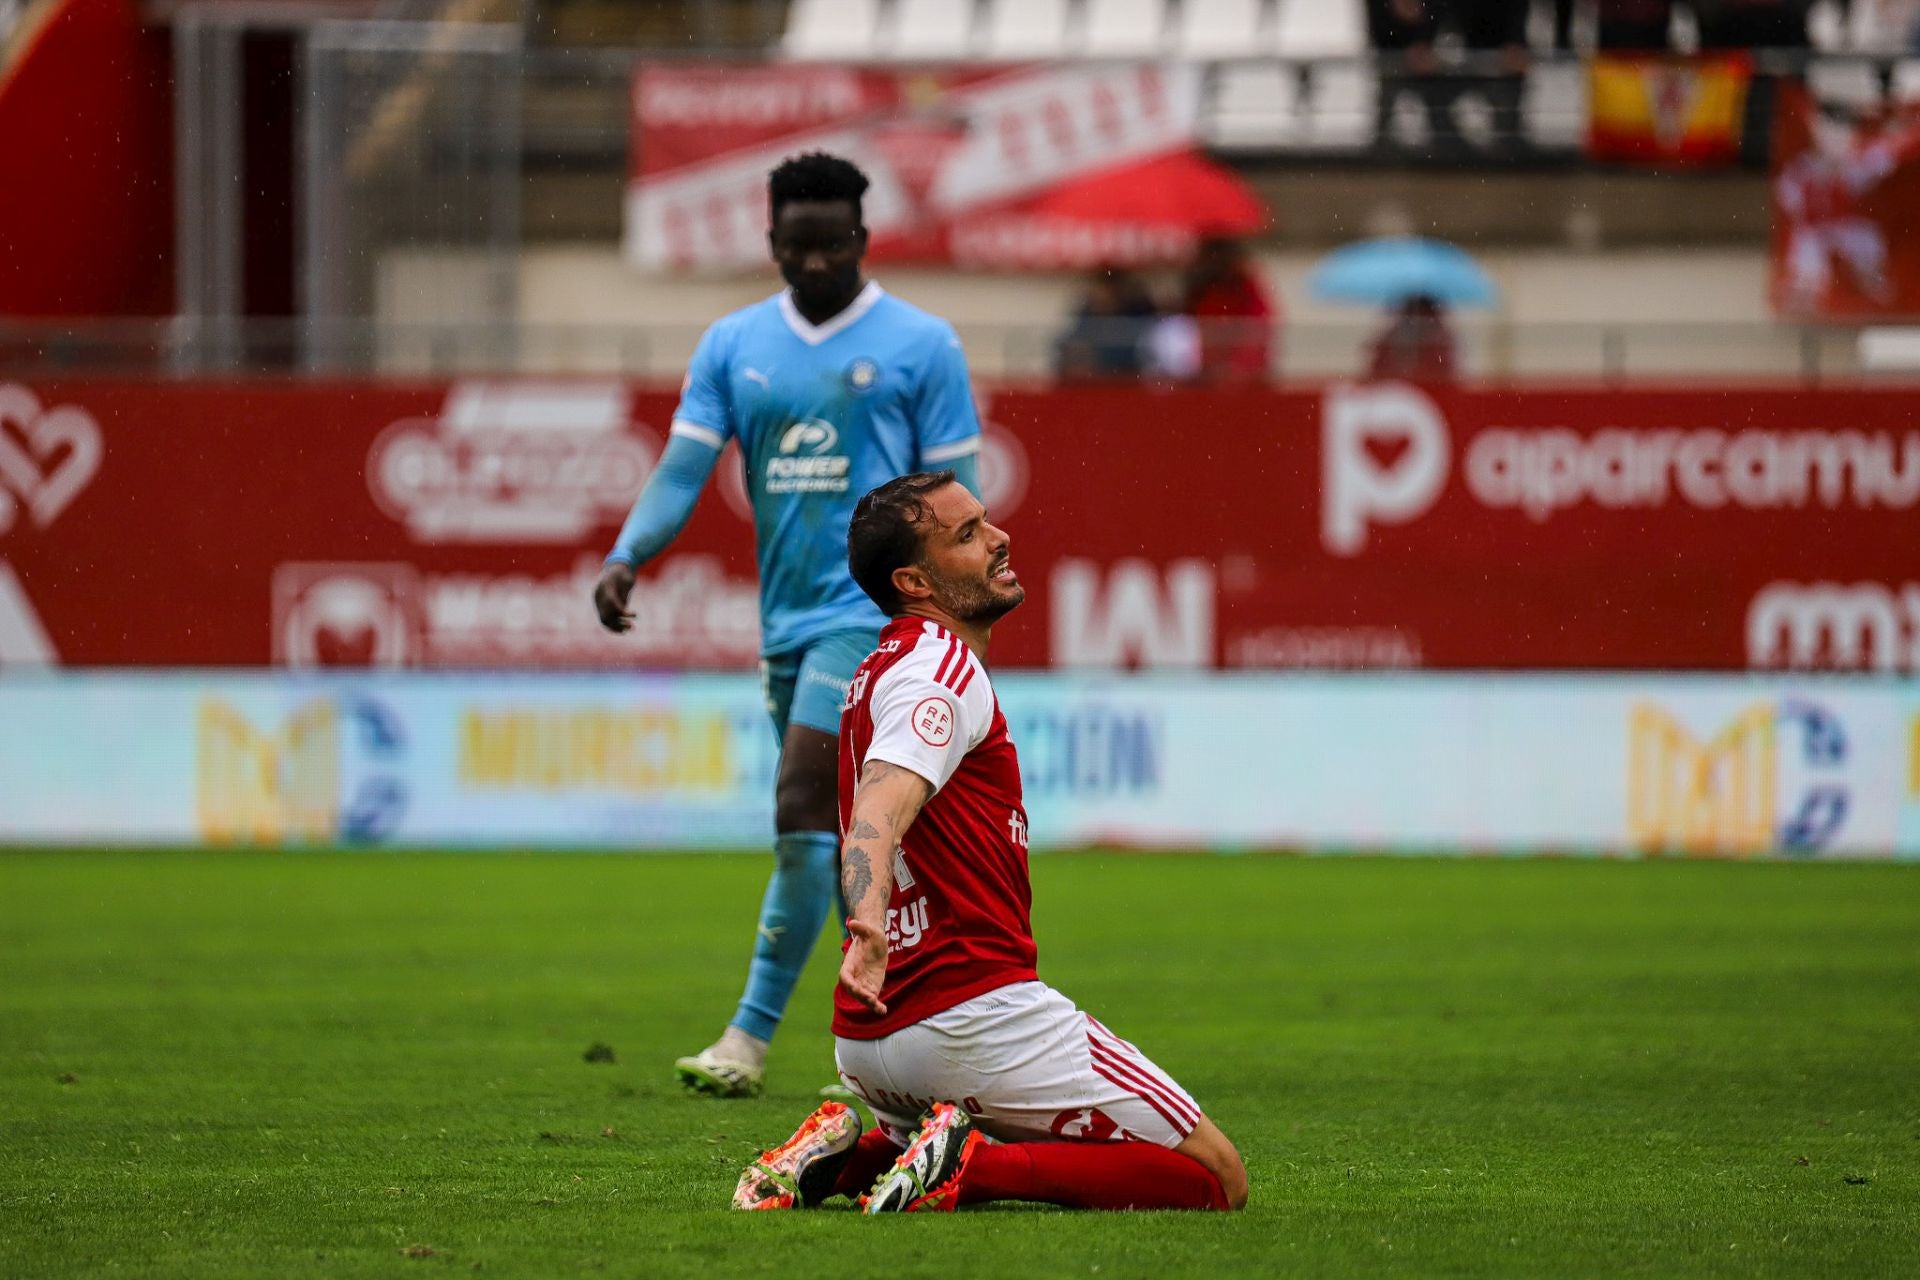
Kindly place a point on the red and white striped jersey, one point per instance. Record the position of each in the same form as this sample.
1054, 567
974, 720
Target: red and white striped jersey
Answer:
959, 923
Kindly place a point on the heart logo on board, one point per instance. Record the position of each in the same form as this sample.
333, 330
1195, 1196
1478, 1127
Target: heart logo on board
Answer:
47, 456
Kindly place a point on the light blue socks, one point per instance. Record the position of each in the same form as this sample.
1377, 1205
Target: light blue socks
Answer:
804, 887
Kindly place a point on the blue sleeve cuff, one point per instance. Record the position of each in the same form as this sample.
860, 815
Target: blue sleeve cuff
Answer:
966, 469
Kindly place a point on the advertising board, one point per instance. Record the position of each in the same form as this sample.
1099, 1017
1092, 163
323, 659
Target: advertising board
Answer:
461, 525
1712, 766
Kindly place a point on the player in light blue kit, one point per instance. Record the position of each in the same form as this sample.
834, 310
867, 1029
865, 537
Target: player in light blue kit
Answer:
831, 388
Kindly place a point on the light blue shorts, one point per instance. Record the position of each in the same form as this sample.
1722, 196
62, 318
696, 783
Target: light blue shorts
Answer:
808, 685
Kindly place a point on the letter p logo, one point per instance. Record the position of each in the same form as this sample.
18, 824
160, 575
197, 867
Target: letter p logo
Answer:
1360, 486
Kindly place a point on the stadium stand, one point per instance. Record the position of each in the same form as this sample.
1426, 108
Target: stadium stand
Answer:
929, 30
831, 28
1025, 29
1319, 29
1218, 28
1123, 28
940, 30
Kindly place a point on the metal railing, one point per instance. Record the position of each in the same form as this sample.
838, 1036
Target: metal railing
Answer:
1487, 350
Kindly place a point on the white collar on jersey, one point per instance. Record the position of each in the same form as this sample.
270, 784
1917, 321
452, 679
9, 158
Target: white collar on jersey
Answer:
814, 334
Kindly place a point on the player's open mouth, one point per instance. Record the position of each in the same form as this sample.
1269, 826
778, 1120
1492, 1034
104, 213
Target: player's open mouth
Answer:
1004, 573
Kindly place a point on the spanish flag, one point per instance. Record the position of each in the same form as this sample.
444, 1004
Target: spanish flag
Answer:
1667, 111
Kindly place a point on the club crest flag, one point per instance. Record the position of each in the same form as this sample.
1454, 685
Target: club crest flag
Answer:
1667, 111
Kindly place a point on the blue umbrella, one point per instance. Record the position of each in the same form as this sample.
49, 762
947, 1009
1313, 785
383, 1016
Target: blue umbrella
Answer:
1396, 268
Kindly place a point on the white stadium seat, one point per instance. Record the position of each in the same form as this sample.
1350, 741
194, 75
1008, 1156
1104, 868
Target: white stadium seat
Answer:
1906, 80
1255, 104
1875, 28
831, 29
1320, 29
1123, 28
1555, 104
1218, 28
1340, 100
931, 30
1844, 81
1827, 26
1026, 29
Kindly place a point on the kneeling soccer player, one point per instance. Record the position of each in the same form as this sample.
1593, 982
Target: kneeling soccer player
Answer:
987, 1084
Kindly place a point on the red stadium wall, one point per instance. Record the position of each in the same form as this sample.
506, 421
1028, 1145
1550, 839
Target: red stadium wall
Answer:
86, 162
435, 524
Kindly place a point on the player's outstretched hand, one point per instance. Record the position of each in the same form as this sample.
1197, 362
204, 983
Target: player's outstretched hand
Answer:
863, 970
610, 596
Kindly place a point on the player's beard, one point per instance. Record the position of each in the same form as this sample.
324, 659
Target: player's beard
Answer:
976, 600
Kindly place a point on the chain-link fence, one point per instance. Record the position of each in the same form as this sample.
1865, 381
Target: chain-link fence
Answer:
413, 139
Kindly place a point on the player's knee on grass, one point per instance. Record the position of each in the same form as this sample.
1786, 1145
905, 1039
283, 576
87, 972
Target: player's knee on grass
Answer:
805, 793
1210, 1147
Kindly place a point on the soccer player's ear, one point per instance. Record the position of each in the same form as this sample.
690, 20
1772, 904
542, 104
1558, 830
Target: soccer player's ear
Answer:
912, 583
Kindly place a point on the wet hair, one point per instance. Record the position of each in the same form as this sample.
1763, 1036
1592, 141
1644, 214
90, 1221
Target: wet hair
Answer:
816, 176
884, 533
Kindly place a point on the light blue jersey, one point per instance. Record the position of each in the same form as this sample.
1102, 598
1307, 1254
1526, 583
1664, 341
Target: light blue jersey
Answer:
824, 413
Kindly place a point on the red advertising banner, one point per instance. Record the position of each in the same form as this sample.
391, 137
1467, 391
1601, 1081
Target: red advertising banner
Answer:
1372, 525
1007, 166
1846, 207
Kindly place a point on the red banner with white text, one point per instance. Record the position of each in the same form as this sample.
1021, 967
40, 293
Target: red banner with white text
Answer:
1004, 166
462, 525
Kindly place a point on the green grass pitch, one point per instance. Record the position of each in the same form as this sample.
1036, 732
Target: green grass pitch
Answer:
372, 1065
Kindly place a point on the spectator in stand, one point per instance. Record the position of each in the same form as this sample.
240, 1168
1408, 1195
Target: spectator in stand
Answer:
1404, 31
1495, 32
1727, 25
1632, 26
1894, 23
1235, 314
1752, 24
1109, 334
1416, 345
1563, 25
1891, 26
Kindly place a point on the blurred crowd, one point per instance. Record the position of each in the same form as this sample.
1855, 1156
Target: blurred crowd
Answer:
1417, 28
1438, 55
1218, 323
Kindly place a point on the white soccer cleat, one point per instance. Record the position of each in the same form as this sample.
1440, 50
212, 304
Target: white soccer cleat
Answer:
707, 1072
926, 1177
801, 1172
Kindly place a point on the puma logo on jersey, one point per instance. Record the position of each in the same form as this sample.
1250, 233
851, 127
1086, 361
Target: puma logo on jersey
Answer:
752, 374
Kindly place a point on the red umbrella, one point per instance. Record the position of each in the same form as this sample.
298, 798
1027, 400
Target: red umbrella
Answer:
1184, 191
1153, 211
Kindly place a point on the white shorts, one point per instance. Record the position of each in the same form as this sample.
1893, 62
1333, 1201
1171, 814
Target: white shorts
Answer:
1027, 1065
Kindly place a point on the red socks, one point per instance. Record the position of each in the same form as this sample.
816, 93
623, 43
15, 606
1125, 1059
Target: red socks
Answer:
872, 1156
1089, 1175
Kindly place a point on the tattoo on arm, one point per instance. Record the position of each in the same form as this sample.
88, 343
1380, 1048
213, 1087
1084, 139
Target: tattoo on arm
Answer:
918, 792
856, 876
864, 830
